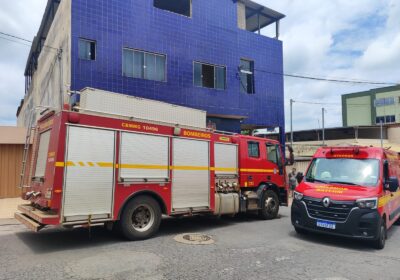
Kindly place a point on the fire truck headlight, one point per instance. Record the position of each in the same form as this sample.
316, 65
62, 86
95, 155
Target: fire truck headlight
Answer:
367, 203
298, 196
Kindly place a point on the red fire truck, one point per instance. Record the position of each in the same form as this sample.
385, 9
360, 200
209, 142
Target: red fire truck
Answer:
90, 169
349, 191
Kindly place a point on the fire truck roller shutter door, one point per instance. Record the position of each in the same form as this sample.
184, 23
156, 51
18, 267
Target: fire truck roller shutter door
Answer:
144, 157
89, 174
191, 174
226, 159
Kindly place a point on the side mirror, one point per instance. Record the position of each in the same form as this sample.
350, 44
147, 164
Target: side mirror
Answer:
290, 161
299, 177
392, 184
386, 170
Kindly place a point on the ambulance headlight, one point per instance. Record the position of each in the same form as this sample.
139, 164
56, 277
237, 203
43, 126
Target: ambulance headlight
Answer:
367, 203
298, 196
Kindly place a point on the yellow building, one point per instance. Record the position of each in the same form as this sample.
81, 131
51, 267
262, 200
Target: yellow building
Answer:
372, 107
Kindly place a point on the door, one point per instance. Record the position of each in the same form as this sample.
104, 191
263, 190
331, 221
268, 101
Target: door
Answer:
89, 174
274, 157
191, 174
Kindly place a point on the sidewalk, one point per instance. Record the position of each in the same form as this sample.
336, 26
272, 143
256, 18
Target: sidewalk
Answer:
8, 206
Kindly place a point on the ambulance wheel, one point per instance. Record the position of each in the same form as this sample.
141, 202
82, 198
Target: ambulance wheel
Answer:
269, 206
140, 218
380, 242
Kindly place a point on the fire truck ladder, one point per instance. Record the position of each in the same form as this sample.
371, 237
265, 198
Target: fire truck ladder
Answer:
31, 127
26, 148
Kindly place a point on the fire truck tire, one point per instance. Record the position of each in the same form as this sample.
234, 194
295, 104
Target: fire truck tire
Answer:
380, 242
140, 218
269, 205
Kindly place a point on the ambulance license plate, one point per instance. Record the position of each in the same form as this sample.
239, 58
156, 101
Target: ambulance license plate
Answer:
326, 224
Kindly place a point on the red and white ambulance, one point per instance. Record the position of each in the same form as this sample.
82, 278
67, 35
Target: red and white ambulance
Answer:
349, 191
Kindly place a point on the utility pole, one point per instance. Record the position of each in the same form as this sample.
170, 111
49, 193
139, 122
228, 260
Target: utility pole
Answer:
291, 122
323, 126
381, 133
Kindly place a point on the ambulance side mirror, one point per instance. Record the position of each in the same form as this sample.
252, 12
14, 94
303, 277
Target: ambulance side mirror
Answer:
299, 177
392, 184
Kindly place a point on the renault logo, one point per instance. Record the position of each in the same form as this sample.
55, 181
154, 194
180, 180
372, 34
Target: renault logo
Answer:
326, 202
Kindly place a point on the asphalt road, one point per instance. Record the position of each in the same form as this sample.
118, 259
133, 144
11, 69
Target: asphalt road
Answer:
244, 248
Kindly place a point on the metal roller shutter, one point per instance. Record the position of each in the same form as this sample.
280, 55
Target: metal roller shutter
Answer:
191, 174
89, 174
226, 159
144, 157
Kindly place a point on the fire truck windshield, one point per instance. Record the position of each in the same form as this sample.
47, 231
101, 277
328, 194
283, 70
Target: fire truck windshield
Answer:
362, 172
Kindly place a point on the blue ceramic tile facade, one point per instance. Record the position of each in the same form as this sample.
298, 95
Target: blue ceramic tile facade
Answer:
211, 35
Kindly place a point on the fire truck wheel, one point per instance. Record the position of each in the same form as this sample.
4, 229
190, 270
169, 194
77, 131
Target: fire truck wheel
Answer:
269, 206
379, 243
141, 218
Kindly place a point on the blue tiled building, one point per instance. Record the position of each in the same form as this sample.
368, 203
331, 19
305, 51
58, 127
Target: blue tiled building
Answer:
205, 54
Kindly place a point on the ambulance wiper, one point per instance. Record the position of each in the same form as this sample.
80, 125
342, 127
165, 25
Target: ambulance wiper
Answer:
312, 180
344, 183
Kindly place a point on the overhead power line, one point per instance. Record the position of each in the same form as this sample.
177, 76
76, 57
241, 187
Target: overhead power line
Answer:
335, 80
21, 40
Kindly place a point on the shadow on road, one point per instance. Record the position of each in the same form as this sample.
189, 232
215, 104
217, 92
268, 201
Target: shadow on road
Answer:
60, 239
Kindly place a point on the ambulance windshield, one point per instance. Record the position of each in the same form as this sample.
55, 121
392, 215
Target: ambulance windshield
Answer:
361, 172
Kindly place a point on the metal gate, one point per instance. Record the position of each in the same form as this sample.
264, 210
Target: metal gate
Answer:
191, 174
89, 174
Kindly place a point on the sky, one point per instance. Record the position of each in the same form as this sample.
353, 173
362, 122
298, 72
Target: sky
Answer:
343, 39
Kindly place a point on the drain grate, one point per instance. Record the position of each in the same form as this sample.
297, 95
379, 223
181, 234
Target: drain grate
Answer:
194, 239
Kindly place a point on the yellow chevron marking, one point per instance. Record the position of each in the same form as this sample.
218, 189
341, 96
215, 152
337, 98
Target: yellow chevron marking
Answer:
81, 163
91, 164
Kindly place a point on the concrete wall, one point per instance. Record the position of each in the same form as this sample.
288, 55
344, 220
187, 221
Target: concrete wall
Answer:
389, 110
53, 76
394, 134
358, 111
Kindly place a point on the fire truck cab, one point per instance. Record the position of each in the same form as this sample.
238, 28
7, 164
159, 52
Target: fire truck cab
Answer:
88, 170
351, 192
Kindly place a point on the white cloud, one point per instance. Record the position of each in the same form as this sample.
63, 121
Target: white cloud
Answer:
337, 38
21, 18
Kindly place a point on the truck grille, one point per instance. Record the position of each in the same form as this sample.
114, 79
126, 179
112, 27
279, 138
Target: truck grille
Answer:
337, 211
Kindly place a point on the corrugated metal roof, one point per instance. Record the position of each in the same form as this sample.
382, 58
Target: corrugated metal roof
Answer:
12, 135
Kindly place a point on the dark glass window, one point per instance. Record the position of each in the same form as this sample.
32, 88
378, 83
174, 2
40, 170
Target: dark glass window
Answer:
182, 7
87, 49
254, 149
144, 65
209, 76
247, 76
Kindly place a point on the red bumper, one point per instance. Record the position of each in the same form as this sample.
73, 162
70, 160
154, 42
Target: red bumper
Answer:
35, 219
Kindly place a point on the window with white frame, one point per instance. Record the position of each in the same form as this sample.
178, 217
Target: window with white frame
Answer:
144, 65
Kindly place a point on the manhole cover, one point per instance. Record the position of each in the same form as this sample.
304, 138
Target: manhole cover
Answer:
194, 239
